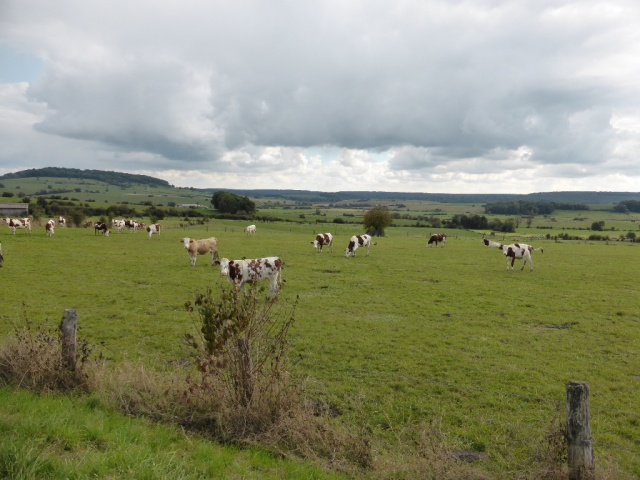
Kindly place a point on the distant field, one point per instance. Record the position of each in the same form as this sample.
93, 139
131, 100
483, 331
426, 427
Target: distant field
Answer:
409, 333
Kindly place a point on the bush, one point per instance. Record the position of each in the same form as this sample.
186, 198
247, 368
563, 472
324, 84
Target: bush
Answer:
32, 359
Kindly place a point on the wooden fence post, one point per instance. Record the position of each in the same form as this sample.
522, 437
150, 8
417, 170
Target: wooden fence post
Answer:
68, 330
580, 445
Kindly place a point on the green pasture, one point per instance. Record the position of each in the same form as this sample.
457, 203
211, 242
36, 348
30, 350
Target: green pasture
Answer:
406, 335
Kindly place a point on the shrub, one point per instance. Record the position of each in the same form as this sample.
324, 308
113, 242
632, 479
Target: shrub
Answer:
32, 359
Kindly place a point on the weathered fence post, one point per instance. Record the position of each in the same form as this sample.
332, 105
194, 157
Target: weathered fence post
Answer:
580, 446
68, 330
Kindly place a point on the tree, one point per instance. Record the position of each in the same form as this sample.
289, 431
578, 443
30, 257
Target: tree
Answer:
597, 226
376, 220
226, 202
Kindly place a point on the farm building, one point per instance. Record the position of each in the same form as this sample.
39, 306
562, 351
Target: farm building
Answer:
14, 210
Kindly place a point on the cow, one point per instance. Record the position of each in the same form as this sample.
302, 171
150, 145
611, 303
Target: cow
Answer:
15, 223
358, 241
323, 239
513, 251
102, 228
49, 227
154, 228
201, 247
240, 272
437, 237
250, 230
88, 224
62, 222
118, 225
1, 257
131, 225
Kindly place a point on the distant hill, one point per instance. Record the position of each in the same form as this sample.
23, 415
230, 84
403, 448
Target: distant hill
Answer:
589, 198
310, 196
112, 178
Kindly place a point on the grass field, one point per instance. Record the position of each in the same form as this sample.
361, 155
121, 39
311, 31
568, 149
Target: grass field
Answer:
407, 335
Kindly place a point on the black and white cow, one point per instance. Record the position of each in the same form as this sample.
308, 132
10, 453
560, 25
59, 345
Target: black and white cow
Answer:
513, 251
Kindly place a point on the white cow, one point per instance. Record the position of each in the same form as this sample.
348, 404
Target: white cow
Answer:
201, 247
153, 228
49, 227
358, 241
118, 225
513, 251
323, 239
250, 230
240, 272
15, 223
62, 221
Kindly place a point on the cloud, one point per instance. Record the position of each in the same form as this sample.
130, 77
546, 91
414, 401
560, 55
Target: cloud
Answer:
330, 95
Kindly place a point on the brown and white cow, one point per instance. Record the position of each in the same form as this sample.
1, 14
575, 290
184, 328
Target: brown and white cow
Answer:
358, 241
513, 251
1, 257
154, 228
254, 270
201, 247
62, 222
16, 223
435, 238
102, 228
49, 227
323, 239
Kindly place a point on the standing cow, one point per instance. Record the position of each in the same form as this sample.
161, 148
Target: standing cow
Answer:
201, 247
154, 228
513, 251
49, 227
250, 230
323, 239
16, 223
240, 272
358, 241
102, 228
62, 222
1, 257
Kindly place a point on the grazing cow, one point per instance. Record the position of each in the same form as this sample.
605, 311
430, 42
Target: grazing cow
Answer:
49, 227
250, 230
513, 251
239, 272
155, 228
1, 257
323, 239
15, 223
358, 241
102, 228
437, 237
88, 224
201, 247
62, 222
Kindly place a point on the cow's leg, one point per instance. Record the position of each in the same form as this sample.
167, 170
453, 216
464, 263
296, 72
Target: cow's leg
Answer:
367, 250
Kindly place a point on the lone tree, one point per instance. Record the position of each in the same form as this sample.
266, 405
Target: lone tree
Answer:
376, 220
226, 202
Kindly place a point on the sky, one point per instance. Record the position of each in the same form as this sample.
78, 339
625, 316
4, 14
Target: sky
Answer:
434, 96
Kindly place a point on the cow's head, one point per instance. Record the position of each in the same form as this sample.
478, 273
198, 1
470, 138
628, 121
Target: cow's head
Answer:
186, 241
350, 249
224, 267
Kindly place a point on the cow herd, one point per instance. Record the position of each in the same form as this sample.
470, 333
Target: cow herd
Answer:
239, 272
